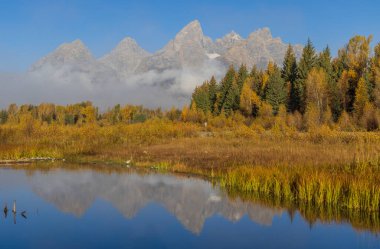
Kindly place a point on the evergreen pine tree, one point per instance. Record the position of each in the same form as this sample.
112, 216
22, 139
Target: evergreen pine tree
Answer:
225, 87
275, 93
242, 74
232, 99
324, 61
201, 98
307, 62
212, 93
289, 67
339, 64
256, 76
289, 74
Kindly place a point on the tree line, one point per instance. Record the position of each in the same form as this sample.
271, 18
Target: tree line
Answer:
316, 89
77, 114
312, 91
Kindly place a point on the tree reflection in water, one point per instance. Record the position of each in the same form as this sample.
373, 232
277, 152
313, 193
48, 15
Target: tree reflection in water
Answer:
191, 200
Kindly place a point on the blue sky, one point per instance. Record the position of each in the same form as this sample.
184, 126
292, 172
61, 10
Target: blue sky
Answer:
31, 29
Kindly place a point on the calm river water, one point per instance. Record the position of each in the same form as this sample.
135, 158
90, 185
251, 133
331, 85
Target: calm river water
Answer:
93, 208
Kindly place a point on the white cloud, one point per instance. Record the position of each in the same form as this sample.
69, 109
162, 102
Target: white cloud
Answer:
67, 85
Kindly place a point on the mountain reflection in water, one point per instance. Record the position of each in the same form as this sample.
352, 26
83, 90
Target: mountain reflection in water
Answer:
191, 200
107, 207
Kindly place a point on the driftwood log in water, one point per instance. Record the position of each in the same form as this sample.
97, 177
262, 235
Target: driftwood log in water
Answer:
26, 160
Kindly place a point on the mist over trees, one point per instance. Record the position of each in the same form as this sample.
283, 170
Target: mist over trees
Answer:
315, 91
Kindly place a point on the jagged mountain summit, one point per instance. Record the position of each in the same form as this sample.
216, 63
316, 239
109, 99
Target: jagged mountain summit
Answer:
68, 54
189, 49
228, 41
258, 49
125, 57
173, 71
73, 61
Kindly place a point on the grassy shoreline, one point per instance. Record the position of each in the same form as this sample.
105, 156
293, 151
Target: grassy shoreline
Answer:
322, 168
360, 220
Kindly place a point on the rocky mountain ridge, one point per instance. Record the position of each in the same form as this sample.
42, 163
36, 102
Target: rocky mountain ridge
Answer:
190, 49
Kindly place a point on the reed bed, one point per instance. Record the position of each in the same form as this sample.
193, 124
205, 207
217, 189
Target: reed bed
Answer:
330, 186
320, 168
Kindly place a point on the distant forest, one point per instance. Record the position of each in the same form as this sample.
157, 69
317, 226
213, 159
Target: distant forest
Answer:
317, 90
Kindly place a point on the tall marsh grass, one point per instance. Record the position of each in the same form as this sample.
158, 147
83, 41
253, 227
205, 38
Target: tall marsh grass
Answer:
322, 186
320, 168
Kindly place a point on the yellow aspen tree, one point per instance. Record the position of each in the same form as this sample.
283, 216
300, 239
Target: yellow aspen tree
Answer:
60, 115
316, 92
375, 75
248, 99
361, 99
185, 113
88, 114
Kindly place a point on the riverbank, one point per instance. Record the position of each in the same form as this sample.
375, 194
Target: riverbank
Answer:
322, 168
362, 221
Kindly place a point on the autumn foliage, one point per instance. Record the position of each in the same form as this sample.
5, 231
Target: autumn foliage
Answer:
322, 89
